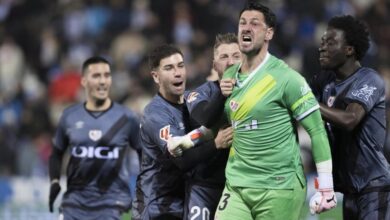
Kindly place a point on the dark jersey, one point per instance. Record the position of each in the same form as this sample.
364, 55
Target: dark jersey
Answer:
212, 172
318, 82
359, 164
160, 184
98, 171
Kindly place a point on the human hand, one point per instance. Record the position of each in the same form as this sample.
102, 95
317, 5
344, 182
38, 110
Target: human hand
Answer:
55, 189
227, 86
224, 138
322, 201
177, 144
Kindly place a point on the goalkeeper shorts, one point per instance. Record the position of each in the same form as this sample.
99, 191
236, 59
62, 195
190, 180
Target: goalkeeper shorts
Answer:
267, 204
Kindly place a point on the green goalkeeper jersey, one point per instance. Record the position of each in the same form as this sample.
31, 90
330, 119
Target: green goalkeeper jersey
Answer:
262, 108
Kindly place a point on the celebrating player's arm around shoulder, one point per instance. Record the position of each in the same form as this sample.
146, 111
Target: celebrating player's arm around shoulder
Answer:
177, 144
353, 106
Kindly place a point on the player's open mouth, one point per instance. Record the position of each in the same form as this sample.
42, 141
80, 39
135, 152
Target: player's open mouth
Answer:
102, 90
178, 84
323, 58
246, 38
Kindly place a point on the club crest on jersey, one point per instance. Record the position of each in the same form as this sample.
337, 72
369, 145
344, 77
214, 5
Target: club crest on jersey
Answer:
192, 97
330, 101
165, 133
95, 135
233, 105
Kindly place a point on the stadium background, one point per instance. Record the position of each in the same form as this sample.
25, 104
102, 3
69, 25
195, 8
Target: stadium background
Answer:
44, 42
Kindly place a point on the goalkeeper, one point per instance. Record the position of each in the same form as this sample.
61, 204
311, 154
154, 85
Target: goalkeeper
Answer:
264, 173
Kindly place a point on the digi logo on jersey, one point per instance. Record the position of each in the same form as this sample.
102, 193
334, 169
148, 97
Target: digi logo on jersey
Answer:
100, 152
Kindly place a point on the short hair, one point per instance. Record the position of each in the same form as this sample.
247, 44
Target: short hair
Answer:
355, 32
228, 38
160, 53
269, 15
93, 60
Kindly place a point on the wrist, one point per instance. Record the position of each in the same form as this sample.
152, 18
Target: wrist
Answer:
325, 181
53, 181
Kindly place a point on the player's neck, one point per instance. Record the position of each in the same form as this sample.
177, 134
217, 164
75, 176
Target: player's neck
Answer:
175, 99
347, 69
98, 105
251, 61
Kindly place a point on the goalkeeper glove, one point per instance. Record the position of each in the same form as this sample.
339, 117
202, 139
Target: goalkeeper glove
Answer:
324, 199
176, 145
55, 189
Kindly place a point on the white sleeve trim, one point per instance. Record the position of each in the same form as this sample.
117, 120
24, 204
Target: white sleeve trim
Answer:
306, 113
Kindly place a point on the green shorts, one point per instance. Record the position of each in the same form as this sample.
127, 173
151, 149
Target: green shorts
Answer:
265, 204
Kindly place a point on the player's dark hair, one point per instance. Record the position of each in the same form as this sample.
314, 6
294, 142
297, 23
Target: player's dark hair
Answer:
355, 33
160, 53
228, 38
93, 60
269, 16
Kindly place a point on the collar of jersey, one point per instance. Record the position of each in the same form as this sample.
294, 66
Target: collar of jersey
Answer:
251, 74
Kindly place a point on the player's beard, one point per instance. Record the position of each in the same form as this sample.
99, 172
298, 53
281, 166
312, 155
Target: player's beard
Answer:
100, 102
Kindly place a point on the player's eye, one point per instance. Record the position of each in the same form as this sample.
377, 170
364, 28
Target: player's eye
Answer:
223, 57
167, 68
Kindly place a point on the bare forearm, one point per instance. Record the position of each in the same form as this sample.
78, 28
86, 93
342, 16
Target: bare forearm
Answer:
341, 118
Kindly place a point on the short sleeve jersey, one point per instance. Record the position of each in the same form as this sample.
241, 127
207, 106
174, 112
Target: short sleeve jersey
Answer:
359, 162
265, 152
97, 144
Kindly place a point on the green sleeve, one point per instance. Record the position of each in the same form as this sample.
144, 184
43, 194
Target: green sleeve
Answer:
230, 72
314, 126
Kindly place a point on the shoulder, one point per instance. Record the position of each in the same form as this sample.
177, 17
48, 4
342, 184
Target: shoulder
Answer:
367, 74
157, 110
73, 108
155, 105
125, 110
206, 87
282, 70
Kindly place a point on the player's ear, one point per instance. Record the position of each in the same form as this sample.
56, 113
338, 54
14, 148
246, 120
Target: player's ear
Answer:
83, 81
349, 50
269, 34
155, 76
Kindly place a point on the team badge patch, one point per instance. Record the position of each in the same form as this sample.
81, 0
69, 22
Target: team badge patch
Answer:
192, 97
95, 134
233, 105
330, 101
165, 133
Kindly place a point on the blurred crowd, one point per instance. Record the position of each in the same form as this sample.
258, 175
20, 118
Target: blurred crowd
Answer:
44, 42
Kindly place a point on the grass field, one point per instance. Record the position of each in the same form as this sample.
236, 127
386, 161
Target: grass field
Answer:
334, 214
29, 202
